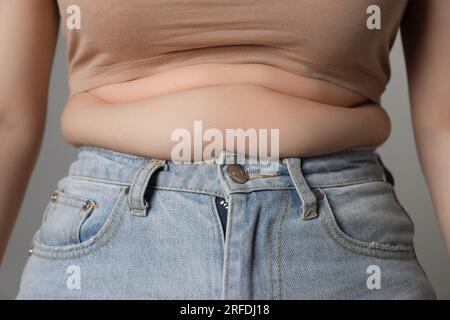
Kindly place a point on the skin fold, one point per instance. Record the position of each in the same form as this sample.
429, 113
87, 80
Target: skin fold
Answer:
306, 127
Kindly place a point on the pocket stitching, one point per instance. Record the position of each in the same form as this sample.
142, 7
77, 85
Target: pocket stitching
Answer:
375, 249
64, 199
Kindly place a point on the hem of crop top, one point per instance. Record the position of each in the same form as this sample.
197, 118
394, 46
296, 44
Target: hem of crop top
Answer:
131, 70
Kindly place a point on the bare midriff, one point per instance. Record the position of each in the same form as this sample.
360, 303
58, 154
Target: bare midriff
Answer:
139, 117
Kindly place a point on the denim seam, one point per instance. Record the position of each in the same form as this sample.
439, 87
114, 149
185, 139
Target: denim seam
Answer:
176, 188
63, 195
374, 245
279, 260
219, 230
169, 187
264, 176
369, 245
262, 188
209, 192
270, 254
346, 183
227, 247
64, 204
367, 250
96, 179
373, 249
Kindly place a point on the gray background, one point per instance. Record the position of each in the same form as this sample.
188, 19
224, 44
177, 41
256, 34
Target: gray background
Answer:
398, 153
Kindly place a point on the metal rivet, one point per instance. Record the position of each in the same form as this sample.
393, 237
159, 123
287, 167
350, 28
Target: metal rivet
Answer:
89, 204
318, 194
238, 173
54, 196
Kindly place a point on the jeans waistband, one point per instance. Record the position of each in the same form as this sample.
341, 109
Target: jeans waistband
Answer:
353, 165
350, 166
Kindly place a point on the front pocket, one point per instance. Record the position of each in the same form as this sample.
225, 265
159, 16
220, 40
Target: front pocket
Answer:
78, 213
63, 218
367, 219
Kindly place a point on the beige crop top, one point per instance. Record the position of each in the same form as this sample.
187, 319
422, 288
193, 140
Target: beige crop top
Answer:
346, 42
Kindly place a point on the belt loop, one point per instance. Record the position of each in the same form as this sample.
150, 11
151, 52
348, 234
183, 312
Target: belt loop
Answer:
136, 201
309, 209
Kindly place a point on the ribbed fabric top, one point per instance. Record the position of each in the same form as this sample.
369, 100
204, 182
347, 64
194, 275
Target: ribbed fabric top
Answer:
111, 41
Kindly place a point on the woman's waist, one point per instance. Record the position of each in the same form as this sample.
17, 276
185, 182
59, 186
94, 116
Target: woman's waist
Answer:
215, 117
243, 175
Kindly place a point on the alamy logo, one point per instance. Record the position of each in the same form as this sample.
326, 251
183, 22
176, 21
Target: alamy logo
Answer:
73, 21
73, 281
255, 141
374, 280
374, 21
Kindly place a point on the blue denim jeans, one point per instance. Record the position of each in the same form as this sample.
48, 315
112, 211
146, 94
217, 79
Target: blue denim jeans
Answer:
120, 226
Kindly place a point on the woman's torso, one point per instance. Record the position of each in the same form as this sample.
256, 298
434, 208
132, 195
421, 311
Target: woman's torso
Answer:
139, 111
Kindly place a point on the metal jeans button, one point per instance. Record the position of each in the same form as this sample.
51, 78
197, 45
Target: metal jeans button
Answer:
237, 173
